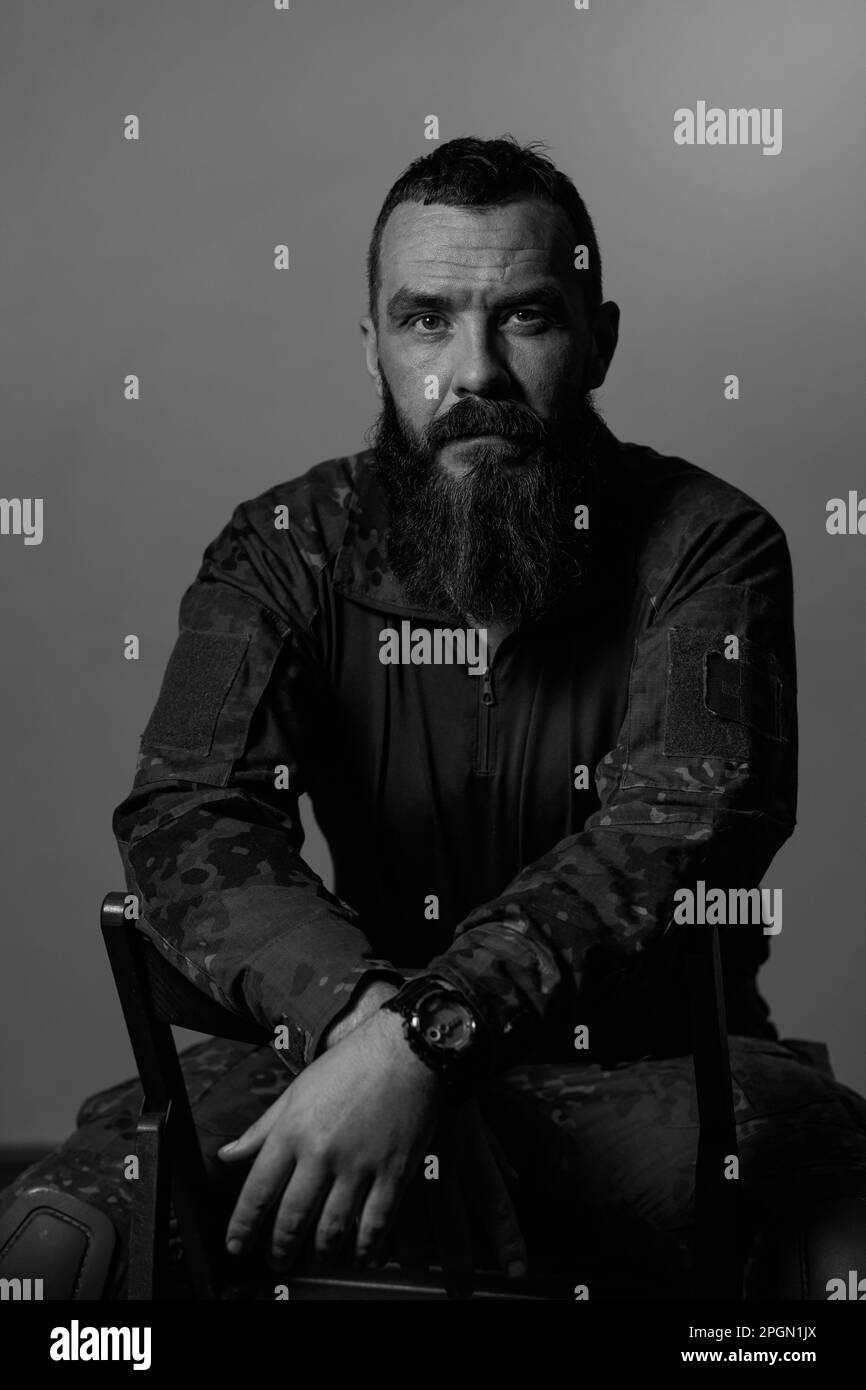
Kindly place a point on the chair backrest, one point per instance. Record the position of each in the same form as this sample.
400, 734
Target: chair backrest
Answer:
153, 990
154, 995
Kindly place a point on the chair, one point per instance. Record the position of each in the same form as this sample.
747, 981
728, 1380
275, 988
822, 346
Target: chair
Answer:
154, 996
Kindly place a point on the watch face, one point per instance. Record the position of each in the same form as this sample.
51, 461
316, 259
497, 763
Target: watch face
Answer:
445, 1024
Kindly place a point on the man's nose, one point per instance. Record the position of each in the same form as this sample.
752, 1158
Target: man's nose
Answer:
478, 368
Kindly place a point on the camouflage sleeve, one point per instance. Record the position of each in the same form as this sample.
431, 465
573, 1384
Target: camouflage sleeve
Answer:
209, 841
701, 785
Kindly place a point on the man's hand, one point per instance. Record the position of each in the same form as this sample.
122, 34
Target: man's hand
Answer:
475, 1178
338, 1147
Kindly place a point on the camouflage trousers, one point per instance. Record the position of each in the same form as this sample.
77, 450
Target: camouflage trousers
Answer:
605, 1157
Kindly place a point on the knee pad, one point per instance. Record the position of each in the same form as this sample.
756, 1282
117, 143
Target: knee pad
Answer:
816, 1252
54, 1246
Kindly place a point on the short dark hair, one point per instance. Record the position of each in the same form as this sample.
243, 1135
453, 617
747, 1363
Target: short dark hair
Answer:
474, 173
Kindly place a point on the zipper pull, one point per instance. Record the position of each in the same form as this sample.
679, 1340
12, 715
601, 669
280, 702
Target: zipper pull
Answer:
487, 688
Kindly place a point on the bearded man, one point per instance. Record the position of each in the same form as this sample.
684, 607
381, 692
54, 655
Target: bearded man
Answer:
493, 983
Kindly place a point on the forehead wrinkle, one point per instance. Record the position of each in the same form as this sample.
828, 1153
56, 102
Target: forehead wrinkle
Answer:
466, 253
470, 281
508, 259
471, 276
485, 295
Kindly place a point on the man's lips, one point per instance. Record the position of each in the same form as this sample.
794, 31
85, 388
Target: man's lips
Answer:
491, 434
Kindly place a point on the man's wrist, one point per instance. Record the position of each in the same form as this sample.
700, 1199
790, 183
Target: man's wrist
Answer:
368, 1003
390, 1027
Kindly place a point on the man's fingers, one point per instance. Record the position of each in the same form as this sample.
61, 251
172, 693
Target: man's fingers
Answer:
338, 1217
265, 1180
376, 1217
252, 1139
300, 1203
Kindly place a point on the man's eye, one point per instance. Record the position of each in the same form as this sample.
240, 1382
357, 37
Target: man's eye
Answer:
424, 319
530, 316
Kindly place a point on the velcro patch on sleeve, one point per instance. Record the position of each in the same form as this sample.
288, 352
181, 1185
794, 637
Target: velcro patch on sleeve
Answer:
716, 704
198, 678
739, 691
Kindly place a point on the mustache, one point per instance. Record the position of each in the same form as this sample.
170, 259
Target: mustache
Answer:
472, 417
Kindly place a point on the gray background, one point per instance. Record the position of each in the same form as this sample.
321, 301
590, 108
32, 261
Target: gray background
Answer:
156, 258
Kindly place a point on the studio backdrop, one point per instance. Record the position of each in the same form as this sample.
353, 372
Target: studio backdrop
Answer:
147, 250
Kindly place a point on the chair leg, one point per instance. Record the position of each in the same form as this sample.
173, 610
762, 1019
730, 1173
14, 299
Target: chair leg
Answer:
189, 1194
149, 1226
167, 1165
717, 1257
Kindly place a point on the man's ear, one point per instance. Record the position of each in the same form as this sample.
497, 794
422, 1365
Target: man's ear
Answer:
371, 351
605, 335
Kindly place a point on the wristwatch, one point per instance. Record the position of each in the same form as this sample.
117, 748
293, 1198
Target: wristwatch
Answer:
440, 1026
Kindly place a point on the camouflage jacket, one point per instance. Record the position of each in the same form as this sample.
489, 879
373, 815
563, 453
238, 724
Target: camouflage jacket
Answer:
464, 837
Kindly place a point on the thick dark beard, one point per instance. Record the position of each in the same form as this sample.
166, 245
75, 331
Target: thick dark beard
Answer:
497, 544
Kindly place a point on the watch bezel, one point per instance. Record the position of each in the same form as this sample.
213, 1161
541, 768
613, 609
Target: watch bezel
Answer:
407, 1003
452, 999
